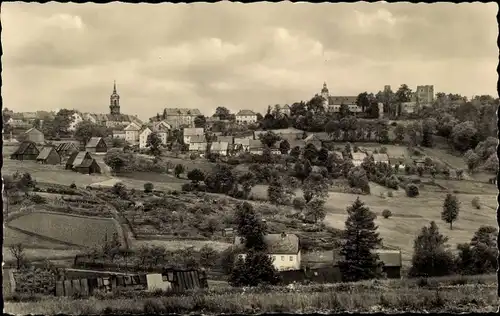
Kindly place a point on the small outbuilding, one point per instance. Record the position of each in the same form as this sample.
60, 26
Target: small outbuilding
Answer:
27, 150
88, 166
96, 145
49, 156
66, 149
34, 135
77, 158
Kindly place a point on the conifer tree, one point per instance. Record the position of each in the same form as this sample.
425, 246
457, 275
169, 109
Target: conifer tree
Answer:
451, 208
430, 256
359, 261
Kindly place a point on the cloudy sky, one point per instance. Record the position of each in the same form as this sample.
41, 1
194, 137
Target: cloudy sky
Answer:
238, 55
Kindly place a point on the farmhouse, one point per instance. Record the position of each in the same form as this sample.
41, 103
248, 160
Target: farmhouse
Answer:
197, 143
178, 117
241, 144
391, 259
190, 132
27, 150
381, 158
49, 156
256, 147
143, 136
246, 117
226, 139
96, 145
357, 158
132, 133
283, 248
34, 135
66, 149
120, 134
219, 148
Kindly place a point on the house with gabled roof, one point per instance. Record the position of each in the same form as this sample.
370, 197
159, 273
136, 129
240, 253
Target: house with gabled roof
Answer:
143, 136
357, 158
241, 144
284, 249
246, 117
255, 147
34, 135
27, 150
198, 143
83, 162
96, 145
380, 158
132, 133
66, 148
187, 133
220, 148
76, 158
49, 156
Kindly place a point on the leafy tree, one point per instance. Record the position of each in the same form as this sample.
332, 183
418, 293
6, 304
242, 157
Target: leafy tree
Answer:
200, 121
472, 160
412, 190
85, 130
315, 209
403, 94
480, 255
248, 180
250, 227
276, 192
295, 152
323, 155
491, 163
220, 180
361, 239
117, 161
120, 189
196, 175
257, 268
315, 186
399, 131
26, 183
299, 203
222, 113
463, 136
154, 143
18, 253
284, 147
179, 169
430, 254
269, 139
148, 187
357, 178
428, 129
451, 208
310, 152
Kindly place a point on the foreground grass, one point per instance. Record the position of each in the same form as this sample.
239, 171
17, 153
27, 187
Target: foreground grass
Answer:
476, 294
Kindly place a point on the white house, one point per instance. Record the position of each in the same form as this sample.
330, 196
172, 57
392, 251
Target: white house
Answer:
119, 134
190, 132
357, 158
74, 120
132, 133
283, 248
162, 128
381, 158
219, 148
143, 137
255, 147
242, 144
197, 143
246, 117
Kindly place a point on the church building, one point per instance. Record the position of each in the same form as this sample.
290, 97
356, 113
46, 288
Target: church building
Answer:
333, 103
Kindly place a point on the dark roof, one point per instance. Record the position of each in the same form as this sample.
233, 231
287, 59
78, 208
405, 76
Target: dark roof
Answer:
276, 243
323, 136
197, 139
93, 142
334, 100
245, 112
45, 152
66, 146
86, 163
226, 139
390, 257
255, 144
23, 147
77, 158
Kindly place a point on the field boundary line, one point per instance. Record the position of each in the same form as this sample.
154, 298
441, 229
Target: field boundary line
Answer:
44, 237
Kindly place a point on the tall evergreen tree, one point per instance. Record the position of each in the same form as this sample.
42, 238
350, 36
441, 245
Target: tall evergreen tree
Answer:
430, 254
359, 261
451, 208
250, 227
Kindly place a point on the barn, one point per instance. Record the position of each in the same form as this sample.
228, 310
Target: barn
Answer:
96, 145
77, 158
88, 166
27, 150
34, 135
66, 149
49, 156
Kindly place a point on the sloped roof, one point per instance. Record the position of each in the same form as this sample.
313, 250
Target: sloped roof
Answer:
227, 139
255, 144
144, 128
86, 163
198, 139
380, 157
23, 147
358, 156
242, 141
182, 111
219, 146
193, 131
338, 100
77, 158
245, 113
132, 127
276, 243
33, 130
118, 132
66, 146
390, 258
45, 152
93, 142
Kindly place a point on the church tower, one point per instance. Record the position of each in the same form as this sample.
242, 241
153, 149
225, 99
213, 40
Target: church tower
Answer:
114, 102
324, 92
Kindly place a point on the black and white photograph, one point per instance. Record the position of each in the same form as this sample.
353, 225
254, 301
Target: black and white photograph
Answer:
249, 158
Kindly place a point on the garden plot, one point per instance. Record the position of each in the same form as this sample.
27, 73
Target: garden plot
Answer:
70, 229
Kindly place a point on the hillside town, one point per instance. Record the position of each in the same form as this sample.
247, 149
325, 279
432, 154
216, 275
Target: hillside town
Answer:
379, 201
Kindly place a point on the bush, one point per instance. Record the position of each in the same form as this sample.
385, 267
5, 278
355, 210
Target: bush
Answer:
72, 185
475, 203
37, 199
148, 187
412, 190
386, 213
193, 156
299, 203
390, 194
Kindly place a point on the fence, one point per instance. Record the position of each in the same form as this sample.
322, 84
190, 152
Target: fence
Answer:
86, 287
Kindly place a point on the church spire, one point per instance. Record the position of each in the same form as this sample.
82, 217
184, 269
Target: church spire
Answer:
114, 104
114, 87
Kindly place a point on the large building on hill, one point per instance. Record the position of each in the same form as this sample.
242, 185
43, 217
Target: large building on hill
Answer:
177, 117
115, 118
333, 103
425, 94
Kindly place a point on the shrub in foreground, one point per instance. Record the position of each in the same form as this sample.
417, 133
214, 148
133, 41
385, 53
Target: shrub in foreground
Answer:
386, 213
476, 203
412, 190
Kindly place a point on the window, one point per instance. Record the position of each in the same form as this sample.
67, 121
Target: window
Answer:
291, 258
282, 258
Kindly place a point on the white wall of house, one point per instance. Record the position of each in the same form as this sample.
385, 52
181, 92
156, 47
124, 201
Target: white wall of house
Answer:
163, 136
248, 119
132, 137
197, 146
284, 262
357, 163
143, 138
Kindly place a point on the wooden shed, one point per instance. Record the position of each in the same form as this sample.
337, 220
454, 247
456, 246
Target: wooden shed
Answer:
34, 135
96, 145
66, 149
27, 150
88, 166
77, 158
49, 156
